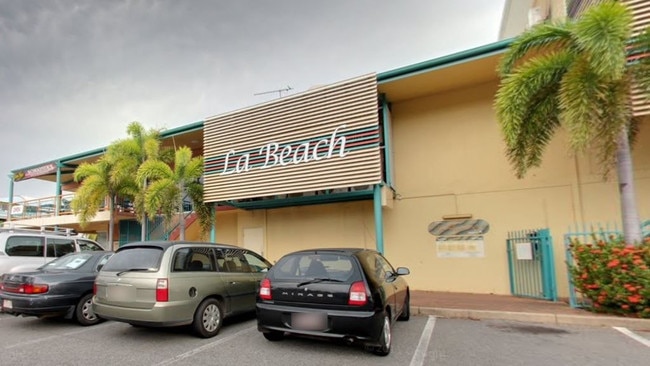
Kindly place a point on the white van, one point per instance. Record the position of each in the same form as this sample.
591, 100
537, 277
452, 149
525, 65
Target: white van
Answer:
23, 249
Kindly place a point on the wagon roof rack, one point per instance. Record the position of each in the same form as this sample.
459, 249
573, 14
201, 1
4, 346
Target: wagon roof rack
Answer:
11, 227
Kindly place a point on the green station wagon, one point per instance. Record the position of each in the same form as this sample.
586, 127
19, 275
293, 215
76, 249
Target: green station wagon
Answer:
161, 284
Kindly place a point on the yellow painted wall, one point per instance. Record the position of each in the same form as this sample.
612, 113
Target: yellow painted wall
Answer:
449, 159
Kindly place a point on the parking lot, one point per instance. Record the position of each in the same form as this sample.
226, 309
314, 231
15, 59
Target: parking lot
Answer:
421, 341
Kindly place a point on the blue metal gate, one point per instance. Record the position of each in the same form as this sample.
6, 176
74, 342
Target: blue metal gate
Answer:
531, 264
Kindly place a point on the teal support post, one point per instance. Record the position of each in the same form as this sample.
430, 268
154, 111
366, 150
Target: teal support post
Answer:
213, 229
11, 196
511, 265
59, 190
387, 132
379, 219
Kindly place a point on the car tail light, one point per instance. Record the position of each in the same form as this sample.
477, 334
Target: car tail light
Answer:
358, 295
94, 288
265, 289
162, 290
27, 288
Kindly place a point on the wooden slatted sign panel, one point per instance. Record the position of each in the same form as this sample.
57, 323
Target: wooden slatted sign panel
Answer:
641, 12
324, 138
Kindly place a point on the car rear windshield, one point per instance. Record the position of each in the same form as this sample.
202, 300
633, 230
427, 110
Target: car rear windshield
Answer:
315, 265
135, 258
70, 261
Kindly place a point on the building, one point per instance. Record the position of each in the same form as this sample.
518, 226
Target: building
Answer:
408, 161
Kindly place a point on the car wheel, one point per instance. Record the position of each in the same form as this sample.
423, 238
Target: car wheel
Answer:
406, 311
84, 313
385, 340
274, 335
208, 318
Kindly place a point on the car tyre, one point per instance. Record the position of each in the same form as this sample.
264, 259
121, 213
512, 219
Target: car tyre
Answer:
274, 335
385, 339
84, 313
406, 311
208, 318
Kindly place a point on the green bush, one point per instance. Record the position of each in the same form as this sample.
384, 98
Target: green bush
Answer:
615, 277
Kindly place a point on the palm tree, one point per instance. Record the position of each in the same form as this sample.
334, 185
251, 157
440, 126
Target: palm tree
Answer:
576, 75
168, 186
132, 152
99, 182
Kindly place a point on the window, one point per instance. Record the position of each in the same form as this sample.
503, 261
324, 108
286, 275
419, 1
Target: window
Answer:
59, 247
135, 258
193, 260
88, 245
70, 262
335, 266
386, 268
234, 261
102, 261
25, 246
256, 263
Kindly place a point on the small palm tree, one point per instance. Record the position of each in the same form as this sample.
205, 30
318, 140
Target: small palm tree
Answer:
576, 75
99, 182
168, 186
132, 152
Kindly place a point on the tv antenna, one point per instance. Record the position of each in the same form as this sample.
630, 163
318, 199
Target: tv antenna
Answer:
279, 91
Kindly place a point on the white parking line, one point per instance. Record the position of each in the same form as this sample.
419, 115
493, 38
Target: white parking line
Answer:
38, 340
425, 338
206, 346
633, 335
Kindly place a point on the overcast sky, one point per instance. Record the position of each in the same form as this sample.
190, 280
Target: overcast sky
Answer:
73, 74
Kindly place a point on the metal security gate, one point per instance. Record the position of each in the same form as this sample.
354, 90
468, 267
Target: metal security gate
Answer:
531, 264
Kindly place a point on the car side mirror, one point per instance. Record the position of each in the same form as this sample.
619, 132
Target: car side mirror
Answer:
403, 271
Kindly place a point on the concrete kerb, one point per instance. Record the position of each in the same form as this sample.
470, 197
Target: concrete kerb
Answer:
544, 318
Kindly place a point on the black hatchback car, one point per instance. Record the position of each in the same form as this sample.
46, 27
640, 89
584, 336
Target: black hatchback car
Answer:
350, 294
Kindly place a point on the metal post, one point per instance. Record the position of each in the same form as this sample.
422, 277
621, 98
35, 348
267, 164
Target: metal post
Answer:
11, 196
379, 227
59, 191
213, 229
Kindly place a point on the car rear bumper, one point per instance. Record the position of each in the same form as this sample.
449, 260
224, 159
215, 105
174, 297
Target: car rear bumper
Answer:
156, 316
38, 305
363, 326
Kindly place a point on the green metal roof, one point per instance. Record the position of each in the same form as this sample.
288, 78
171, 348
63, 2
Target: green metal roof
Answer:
455, 58
96, 152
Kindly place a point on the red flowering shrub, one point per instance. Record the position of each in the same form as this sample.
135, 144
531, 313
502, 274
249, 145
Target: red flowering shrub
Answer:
613, 275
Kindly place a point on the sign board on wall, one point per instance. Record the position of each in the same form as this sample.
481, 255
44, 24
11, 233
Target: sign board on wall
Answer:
460, 247
325, 138
459, 238
38, 171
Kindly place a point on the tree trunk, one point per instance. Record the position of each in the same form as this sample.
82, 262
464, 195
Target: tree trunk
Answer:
145, 218
181, 218
630, 214
111, 222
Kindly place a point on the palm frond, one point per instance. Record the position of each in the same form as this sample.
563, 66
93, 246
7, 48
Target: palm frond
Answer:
603, 33
553, 36
523, 94
152, 170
